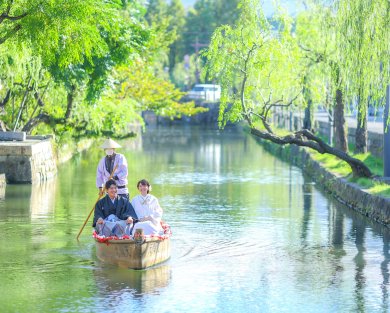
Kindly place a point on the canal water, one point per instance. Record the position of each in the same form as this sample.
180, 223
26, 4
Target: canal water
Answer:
251, 233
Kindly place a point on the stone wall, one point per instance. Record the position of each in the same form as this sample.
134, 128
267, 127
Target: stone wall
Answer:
373, 206
3, 183
374, 142
34, 159
27, 161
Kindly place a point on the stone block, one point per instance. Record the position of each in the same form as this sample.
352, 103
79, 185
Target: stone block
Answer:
28, 162
11, 136
2, 186
39, 137
11, 148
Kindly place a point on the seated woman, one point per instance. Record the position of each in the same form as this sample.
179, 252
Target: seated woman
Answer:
113, 214
148, 210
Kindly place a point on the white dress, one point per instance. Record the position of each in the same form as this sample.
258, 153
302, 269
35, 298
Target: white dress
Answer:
148, 207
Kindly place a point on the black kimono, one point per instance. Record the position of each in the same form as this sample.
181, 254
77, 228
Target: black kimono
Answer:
121, 207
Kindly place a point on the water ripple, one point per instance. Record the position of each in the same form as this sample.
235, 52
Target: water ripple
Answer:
263, 177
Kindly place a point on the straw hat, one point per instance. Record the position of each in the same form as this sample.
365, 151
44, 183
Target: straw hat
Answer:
110, 144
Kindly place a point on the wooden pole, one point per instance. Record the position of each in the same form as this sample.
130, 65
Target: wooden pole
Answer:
93, 208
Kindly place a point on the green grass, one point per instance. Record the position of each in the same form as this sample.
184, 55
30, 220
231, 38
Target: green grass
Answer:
337, 166
331, 163
377, 188
341, 168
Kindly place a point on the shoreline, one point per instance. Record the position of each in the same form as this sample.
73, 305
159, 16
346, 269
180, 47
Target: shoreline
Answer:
377, 208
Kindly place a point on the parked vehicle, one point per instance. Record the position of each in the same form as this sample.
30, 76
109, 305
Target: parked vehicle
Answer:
208, 92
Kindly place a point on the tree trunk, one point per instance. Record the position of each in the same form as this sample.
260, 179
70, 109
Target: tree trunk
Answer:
3, 126
305, 138
340, 134
5, 100
172, 58
69, 106
35, 121
22, 104
307, 120
361, 129
43, 117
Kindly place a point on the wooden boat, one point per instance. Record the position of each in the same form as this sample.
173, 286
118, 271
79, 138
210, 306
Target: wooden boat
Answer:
138, 253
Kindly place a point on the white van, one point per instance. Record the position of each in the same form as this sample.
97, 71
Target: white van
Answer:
208, 92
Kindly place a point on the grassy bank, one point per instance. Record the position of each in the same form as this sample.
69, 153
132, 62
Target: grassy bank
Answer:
342, 169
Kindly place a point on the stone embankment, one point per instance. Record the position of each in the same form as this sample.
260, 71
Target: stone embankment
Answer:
374, 206
3, 183
33, 159
29, 160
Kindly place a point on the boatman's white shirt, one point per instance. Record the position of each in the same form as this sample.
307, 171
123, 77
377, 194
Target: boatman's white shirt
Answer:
102, 175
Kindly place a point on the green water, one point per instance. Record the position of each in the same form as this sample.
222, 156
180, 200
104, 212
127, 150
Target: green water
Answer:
250, 234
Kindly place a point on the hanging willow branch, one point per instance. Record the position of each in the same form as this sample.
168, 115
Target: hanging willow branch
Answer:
267, 52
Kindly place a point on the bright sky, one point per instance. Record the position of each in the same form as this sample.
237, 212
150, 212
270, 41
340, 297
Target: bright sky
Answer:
291, 5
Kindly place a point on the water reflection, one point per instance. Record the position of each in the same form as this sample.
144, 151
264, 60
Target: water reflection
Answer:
385, 272
336, 238
212, 154
42, 201
32, 201
132, 144
137, 282
16, 204
357, 232
252, 234
336, 230
307, 189
2, 191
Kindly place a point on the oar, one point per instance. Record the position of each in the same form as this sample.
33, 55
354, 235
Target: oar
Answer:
93, 208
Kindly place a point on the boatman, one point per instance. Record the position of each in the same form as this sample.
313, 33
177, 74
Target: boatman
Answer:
114, 165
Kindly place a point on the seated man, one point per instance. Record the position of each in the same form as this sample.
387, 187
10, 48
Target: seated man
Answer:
114, 215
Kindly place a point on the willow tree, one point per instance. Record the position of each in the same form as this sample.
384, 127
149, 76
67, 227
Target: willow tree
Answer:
317, 47
265, 63
74, 44
364, 48
317, 34
66, 32
61, 69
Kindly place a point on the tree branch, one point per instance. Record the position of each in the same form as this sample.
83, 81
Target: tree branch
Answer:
70, 98
305, 138
243, 84
5, 15
5, 100
10, 33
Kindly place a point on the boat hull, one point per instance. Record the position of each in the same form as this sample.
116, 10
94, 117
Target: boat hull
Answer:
130, 254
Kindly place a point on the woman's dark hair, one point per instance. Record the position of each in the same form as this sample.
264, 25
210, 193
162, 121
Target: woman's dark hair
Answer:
143, 182
109, 183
